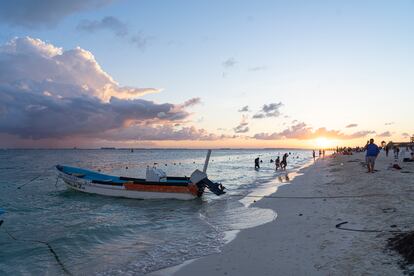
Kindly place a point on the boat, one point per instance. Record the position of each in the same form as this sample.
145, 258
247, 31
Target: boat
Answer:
156, 185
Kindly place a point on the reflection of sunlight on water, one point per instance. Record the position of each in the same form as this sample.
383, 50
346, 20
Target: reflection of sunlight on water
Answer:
268, 188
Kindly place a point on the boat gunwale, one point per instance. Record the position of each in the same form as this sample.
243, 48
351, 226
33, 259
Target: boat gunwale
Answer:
180, 181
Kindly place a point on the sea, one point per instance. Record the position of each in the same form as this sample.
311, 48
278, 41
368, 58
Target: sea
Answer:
49, 229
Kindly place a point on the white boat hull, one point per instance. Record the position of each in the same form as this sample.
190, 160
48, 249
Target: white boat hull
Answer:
87, 186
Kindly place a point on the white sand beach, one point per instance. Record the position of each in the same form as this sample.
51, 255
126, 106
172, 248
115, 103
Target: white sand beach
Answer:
303, 240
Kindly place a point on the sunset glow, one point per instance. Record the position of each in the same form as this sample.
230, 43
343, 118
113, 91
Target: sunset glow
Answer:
116, 79
324, 143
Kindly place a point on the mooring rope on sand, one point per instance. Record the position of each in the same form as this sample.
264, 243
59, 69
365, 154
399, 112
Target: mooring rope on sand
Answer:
339, 226
318, 197
55, 255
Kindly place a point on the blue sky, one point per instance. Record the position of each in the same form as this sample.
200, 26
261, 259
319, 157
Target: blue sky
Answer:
330, 63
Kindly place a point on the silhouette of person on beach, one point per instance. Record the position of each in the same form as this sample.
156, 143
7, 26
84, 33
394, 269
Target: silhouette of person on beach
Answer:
396, 152
277, 163
372, 153
257, 163
323, 153
283, 164
314, 155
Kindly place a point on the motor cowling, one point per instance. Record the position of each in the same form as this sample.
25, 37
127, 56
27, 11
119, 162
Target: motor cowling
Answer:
200, 179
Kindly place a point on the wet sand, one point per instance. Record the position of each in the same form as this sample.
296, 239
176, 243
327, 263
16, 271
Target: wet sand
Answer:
305, 240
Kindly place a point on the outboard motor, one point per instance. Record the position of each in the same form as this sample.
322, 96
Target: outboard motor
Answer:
200, 179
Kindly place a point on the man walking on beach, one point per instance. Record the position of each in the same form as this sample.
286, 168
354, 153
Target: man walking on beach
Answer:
371, 155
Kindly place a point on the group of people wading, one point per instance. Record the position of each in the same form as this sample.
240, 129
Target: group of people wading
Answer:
279, 164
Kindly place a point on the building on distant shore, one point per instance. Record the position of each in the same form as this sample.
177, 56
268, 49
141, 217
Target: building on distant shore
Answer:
402, 144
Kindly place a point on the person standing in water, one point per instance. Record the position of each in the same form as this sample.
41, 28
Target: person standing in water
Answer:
314, 155
283, 164
257, 163
277, 163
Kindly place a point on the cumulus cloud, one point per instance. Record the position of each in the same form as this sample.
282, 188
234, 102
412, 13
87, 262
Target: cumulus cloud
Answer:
351, 125
46, 92
244, 109
40, 13
385, 134
389, 123
230, 62
243, 127
33, 64
269, 110
301, 131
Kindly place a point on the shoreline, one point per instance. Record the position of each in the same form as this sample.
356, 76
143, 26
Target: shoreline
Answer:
304, 239
260, 194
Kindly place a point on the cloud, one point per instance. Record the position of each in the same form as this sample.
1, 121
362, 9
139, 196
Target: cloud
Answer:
46, 92
41, 13
230, 62
405, 134
351, 125
110, 23
144, 132
244, 109
29, 114
359, 134
269, 110
33, 64
385, 134
301, 131
243, 127
191, 102
117, 27
257, 68
389, 123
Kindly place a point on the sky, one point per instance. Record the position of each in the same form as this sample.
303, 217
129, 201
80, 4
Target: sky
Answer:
205, 74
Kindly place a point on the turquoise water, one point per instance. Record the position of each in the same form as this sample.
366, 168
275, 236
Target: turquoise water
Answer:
92, 234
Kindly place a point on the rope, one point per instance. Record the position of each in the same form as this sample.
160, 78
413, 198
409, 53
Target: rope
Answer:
48, 246
31, 180
339, 226
318, 197
34, 178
